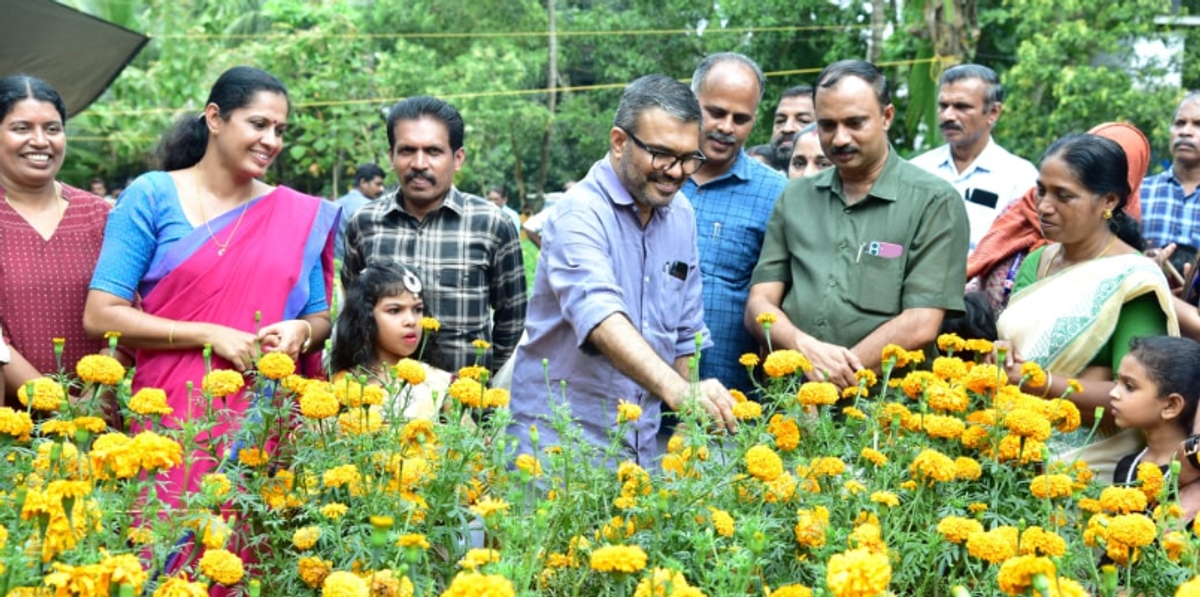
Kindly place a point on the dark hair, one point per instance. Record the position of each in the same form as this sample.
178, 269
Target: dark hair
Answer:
656, 91
15, 88
796, 91
96, 180
356, 332
184, 144
712, 60
862, 69
1101, 166
1173, 364
499, 190
977, 320
367, 172
995, 91
423, 106
762, 150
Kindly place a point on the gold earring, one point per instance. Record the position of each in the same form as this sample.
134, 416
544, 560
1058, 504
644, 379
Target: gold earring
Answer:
1108, 214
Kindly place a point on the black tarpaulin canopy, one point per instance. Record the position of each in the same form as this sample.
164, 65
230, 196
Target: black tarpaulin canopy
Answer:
76, 53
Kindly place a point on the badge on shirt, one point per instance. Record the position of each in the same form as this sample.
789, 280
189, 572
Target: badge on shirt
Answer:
880, 249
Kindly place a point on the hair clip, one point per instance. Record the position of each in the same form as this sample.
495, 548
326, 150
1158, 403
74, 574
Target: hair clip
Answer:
412, 282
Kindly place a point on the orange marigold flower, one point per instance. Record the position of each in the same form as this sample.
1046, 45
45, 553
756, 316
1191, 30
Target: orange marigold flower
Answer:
949, 368
763, 463
982, 379
785, 431
854, 413
950, 343
318, 401
1051, 486
1027, 423
529, 464
810, 526
893, 351
933, 466
785, 362
1151, 479
817, 393
943, 427
827, 466
1016, 574
994, 546
1135, 530
1038, 541
967, 469
1037, 377
252, 456
409, 371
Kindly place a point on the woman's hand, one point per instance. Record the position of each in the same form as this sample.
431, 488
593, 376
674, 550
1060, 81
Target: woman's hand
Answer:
235, 346
1012, 359
288, 337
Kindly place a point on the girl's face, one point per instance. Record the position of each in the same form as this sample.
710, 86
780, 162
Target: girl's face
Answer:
1135, 400
398, 319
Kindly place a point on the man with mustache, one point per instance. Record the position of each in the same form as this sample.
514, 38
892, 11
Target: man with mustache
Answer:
733, 195
870, 252
466, 250
616, 312
1170, 201
794, 112
987, 176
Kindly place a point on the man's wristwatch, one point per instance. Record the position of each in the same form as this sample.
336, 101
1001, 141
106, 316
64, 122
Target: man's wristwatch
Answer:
1191, 450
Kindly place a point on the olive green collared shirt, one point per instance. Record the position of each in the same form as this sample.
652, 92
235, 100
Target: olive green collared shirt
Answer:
850, 268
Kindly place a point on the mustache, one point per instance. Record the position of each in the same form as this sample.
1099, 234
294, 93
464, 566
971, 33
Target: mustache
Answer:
723, 138
411, 176
661, 176
844, 150
1184, 143
784, 138
950, 125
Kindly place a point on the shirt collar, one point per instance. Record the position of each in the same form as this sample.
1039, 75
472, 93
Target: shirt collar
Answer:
454, 201
740, 169
885, 187
983, 161
610, 182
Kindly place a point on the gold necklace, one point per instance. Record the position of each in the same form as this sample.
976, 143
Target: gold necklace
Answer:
1059, 256
58, 200
199, 201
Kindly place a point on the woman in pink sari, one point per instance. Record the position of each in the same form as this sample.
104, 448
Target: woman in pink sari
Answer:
193, 252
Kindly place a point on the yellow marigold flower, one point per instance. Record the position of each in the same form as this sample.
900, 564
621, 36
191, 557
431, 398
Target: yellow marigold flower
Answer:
977, 507
933, 466
339, 476
475, 372
294, 384
489, 506
47, 394
474, 584
747, 411
150, 401
1037, 541
625, 559
662, 582
817, 393
1073, 386
481, 344
1136, 530
967, 469
417, 432
858, 573
1090, 505
214, 533
810, 526
222, 382
1037, 377
916, 356
943, 426
854, 487
1027, 423
915, 383
276, 365
947, 399
1175, 544
978, 346
217, 484
780, 490
334, 510
785, 431
101, 369
221, 566
496, 398
763, 463
1123, 500
59, 427
430, 324
313, 571
893, 351
886, 498
826, 467
628, 411
91, 424
957, 529
722, 522
866, 377
467, 391
785, 362
253, 456
868, 536
18, 425
157, 452
792, 591
1011, 444
854, 413
951, 342
318, 401
306, 537
176, 586
1063, 414
1151, 479
874, 456
765, 318
982, 379
529, 464
994, 546
414, 540
1016, 574
477, 558
749, 360
140, 535
409, 371
344, 584
360, 421
1051, 486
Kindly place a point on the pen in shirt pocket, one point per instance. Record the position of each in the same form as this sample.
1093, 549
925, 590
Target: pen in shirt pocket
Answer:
716, 233
879, 249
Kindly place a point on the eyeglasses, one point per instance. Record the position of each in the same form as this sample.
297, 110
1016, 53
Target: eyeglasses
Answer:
661, 160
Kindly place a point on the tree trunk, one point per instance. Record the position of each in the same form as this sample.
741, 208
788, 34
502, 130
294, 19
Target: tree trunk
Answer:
551, 104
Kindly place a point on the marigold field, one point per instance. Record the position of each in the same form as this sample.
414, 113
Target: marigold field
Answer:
930, 479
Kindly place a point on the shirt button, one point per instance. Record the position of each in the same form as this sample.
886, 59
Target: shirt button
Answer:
846, 211
646, 279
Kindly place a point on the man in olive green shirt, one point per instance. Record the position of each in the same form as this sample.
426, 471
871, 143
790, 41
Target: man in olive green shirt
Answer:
868, 253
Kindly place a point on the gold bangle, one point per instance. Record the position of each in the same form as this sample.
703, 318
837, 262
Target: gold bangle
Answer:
308, 340
1049, 380
171, 335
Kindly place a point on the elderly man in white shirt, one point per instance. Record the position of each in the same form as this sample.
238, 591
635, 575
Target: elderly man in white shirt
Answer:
986, 175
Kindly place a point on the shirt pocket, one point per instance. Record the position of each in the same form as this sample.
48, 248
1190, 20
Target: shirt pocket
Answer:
878, 286
465, 288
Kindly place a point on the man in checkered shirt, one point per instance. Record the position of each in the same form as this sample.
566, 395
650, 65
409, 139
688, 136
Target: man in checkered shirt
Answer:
465, 249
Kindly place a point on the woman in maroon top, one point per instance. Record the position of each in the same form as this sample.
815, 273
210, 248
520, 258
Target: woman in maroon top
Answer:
50, 236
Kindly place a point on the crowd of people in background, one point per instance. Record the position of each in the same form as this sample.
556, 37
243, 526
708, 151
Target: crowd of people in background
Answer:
675, 245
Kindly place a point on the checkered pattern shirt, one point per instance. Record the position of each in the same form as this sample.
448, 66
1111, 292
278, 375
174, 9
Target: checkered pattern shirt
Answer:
1167, 215
731, 218
468, 255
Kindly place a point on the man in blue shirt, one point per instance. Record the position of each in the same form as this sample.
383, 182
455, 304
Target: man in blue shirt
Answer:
616, 305
368, 186
733, 195
1170, 201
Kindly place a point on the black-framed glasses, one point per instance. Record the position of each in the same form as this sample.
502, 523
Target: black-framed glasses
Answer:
662, 160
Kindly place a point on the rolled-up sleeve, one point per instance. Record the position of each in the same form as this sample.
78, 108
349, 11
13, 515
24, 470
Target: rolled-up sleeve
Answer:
937, 269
